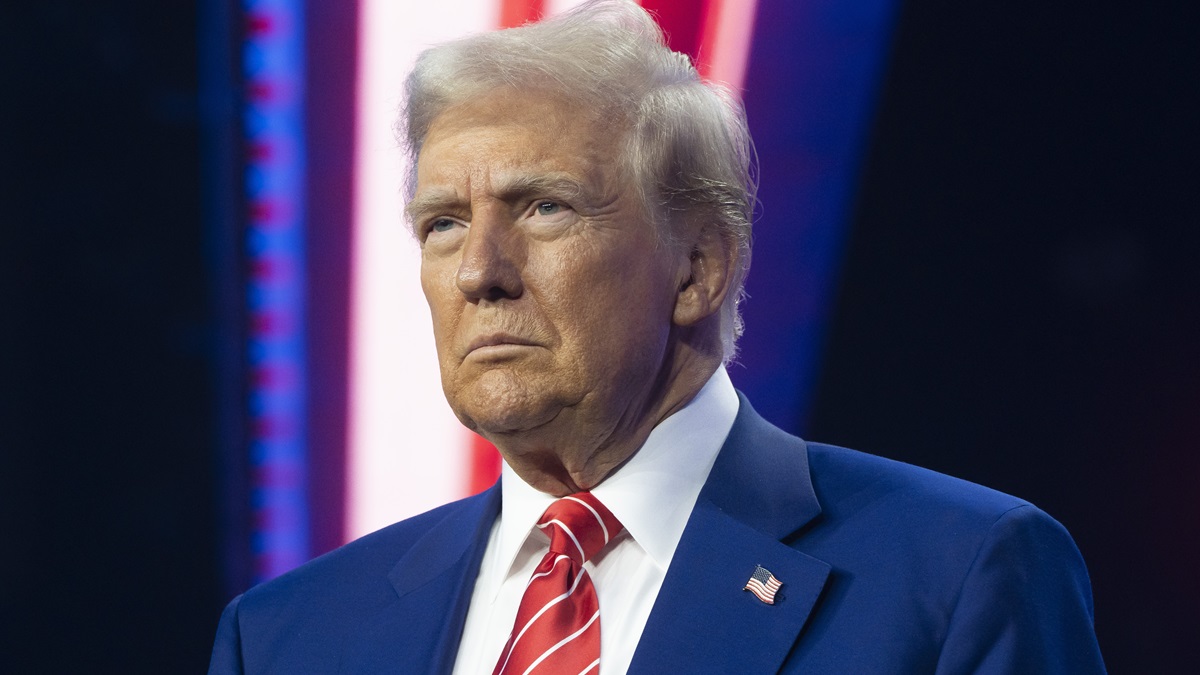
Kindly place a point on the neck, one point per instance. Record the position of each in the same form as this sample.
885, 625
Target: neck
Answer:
580, 447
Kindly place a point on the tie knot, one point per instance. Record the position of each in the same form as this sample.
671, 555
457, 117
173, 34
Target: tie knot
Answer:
579, 526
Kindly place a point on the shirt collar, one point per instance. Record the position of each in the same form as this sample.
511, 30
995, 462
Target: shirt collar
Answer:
653, 493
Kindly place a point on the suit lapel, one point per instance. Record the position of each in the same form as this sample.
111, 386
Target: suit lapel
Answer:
419, 629
758, 493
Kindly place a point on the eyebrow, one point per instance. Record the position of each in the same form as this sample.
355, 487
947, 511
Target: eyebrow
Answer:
552, 185
438, 199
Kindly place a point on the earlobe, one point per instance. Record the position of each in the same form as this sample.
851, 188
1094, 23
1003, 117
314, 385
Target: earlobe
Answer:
709, 270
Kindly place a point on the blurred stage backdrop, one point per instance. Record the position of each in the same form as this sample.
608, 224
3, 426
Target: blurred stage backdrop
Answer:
977, 251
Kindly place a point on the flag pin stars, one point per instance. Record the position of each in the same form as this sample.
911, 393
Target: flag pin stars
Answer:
763, 584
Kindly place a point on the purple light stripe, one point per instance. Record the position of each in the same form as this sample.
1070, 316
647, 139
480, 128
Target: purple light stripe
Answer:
273, 124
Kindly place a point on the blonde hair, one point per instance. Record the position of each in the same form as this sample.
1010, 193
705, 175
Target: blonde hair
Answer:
687, 145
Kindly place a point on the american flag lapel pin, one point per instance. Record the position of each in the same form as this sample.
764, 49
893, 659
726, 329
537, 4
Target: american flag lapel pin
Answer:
763, 584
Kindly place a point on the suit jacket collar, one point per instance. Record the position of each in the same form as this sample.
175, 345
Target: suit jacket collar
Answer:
761, 477
419, 629
758, 493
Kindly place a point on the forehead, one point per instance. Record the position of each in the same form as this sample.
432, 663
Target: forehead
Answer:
515, 136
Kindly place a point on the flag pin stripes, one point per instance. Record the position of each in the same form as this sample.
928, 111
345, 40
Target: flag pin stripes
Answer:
763, 584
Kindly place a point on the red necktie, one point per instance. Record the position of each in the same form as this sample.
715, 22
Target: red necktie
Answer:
558, 622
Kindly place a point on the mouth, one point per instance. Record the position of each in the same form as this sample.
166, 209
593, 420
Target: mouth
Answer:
496, 342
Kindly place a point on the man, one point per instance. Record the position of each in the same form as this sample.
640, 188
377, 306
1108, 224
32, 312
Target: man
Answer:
583, 205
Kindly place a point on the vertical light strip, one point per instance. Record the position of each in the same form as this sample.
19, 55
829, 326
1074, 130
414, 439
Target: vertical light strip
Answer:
405, 452
728, 30
273, 59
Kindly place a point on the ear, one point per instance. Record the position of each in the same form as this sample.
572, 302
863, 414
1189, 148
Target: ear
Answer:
710, 269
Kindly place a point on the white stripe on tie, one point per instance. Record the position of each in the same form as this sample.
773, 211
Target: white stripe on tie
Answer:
562, 642
591, 665
549, 571
582, 555
540, 612
598, 518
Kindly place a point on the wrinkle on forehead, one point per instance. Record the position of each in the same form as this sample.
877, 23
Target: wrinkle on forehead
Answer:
510, 149
520, 107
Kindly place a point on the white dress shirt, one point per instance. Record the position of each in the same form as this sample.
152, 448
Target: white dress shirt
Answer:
652, 495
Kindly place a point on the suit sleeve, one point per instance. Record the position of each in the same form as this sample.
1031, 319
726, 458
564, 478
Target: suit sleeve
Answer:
1025, 605
227, 648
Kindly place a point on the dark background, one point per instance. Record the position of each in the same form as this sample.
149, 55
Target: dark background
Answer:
108, 412
1018, 305
1020, 302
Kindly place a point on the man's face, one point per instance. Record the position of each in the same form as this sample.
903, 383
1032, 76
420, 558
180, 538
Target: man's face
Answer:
551, 297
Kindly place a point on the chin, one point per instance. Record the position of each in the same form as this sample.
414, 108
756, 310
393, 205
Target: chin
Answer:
500, 403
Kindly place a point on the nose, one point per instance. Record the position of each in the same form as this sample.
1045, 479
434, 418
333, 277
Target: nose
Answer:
490, 268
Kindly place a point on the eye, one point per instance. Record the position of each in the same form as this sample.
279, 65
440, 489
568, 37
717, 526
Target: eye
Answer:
441, 225
439, 230
548, 216
438, 226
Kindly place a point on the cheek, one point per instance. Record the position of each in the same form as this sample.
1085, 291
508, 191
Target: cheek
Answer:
441, 295
437, 277
573, 288
612, 304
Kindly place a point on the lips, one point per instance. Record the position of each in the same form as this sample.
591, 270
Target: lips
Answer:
497, 340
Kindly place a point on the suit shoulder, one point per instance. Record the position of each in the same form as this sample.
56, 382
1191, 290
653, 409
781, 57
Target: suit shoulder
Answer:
849, 479
870, 498
941, 522
307, 619
358, 568
970, 575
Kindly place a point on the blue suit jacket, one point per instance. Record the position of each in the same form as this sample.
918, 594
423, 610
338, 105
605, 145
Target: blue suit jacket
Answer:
886, 568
